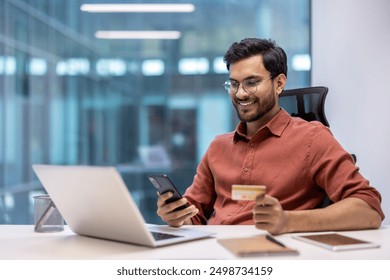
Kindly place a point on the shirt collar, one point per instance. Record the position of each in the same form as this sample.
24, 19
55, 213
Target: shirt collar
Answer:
276, 126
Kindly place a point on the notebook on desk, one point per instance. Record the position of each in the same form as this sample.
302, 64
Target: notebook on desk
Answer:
94, 201
257, 246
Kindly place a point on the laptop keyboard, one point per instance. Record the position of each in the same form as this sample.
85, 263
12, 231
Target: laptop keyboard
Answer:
163, 236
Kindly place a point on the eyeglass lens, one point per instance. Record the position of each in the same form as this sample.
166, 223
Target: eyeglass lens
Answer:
249, 86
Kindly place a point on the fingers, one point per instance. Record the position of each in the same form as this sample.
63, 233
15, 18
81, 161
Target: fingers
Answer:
178, 218
169, 213
264, 199
168, 207
162, 198
268, 214
262, 211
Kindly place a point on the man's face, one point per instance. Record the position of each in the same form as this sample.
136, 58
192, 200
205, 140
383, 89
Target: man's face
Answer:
253, 106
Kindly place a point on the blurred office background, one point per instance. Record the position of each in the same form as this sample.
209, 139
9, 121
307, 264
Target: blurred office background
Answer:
70, 95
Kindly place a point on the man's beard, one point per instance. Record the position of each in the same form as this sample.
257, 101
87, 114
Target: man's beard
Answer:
265, 105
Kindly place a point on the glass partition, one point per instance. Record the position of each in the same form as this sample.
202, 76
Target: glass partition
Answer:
69, 95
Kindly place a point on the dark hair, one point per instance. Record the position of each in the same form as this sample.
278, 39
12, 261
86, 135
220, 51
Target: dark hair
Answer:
274, 57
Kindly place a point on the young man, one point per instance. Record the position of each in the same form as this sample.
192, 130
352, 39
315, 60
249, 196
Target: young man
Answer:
299, 162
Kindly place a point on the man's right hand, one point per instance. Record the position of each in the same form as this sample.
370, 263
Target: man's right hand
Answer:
170, 216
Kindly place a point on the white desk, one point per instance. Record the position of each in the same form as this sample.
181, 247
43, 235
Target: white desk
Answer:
20, 242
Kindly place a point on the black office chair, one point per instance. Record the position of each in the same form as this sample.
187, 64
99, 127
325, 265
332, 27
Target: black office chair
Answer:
307, 103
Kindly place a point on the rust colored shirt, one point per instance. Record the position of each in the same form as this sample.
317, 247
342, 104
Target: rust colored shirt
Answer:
299, 162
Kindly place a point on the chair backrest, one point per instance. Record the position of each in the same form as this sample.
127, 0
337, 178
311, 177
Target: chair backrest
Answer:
307, 103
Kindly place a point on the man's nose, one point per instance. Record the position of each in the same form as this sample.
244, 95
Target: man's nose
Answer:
241, 93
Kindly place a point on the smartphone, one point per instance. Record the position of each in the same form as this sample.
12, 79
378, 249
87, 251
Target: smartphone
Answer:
163, 184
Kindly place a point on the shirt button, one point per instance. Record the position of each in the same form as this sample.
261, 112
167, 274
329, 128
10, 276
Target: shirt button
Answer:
246, 169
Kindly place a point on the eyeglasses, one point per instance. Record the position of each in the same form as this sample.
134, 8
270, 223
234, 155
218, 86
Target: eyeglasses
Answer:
249, 85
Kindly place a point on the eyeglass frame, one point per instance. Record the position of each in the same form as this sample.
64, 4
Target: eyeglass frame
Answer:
227, 85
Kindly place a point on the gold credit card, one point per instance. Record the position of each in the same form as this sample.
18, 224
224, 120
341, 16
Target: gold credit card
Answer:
247, 192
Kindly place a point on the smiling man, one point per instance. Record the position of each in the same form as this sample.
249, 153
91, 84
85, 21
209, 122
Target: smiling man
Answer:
299, 162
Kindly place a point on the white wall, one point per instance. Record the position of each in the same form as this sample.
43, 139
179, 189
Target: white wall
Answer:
351, 55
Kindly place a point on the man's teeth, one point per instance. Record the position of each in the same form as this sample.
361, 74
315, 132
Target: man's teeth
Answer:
246, 103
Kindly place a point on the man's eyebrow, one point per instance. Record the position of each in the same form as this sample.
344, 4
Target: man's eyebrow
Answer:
248, 78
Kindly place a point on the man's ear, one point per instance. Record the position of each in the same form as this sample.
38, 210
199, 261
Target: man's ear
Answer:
280, 80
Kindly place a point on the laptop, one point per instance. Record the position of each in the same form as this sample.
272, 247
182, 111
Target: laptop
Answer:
94, 201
